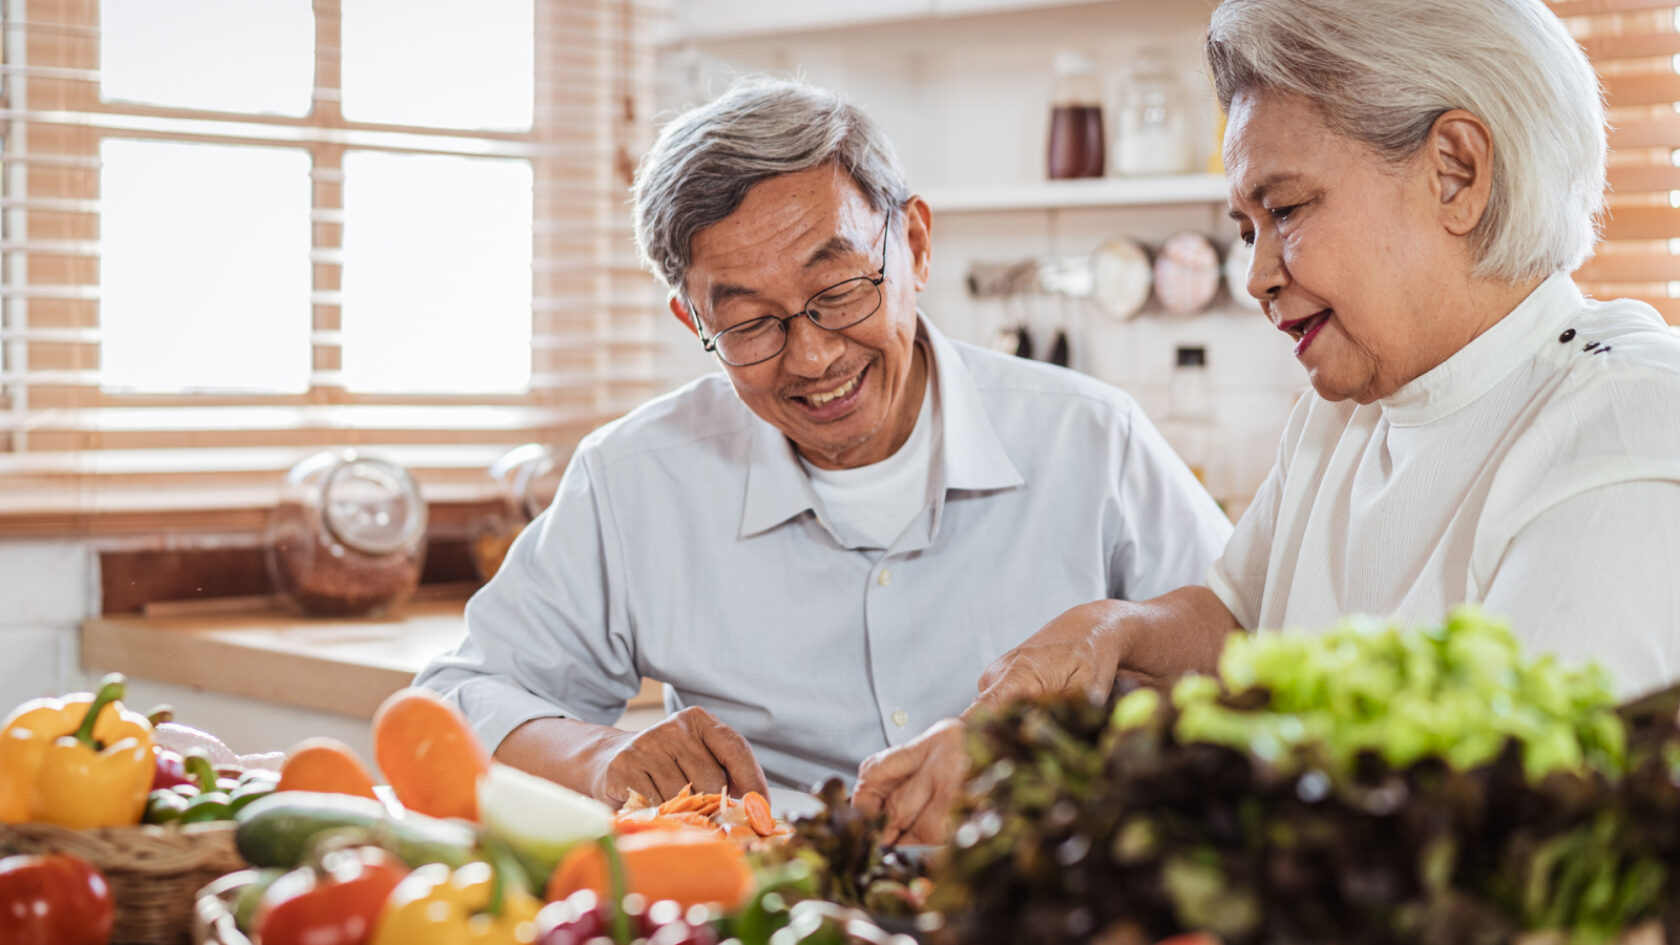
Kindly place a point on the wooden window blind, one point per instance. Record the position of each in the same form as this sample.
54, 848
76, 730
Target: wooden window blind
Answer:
1635, 46
72, 444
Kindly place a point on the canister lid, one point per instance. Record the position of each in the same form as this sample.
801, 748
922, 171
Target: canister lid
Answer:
373, 506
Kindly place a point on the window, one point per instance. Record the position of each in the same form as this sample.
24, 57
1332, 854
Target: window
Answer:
236, 233
1635, 44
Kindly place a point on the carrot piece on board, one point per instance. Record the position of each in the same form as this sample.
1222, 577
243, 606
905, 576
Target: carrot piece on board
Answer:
429, 754
326, 765
758, 813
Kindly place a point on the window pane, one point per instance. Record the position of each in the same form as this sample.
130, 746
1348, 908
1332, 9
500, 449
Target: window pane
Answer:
439, 63
225, 55
437, 273
204, 267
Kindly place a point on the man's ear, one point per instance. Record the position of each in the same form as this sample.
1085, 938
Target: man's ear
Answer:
681, 312
918, 233
1459, 152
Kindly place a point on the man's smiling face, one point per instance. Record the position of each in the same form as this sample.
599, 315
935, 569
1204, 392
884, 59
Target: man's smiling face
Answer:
845, 398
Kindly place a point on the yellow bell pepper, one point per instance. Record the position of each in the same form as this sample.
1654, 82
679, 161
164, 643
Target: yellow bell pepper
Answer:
433, 906
81, 761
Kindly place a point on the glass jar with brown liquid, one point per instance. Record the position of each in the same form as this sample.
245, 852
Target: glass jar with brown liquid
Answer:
1076, 124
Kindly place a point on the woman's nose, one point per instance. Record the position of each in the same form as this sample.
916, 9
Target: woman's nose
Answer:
1266, 273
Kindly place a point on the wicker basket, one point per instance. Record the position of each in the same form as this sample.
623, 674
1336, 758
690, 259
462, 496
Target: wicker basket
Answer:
212, 920
155, 873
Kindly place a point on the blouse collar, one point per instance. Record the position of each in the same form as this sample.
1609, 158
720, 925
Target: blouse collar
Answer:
1489, 358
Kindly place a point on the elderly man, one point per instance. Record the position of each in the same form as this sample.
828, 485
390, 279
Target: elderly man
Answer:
1418, 179
819, 550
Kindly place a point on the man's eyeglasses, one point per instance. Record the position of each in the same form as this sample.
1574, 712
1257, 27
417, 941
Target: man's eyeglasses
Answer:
835, 308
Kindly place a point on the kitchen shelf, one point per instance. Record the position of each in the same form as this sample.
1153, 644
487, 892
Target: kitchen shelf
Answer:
1070, 194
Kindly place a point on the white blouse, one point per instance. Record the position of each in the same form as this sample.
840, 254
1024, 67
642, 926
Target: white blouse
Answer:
1536, 471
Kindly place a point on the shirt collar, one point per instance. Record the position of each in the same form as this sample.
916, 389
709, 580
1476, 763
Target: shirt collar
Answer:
968, 446
1489, 358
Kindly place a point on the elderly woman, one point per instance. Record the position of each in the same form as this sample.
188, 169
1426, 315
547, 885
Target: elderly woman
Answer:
1417, 178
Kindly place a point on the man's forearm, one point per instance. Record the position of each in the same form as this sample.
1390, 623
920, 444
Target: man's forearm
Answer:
566, 751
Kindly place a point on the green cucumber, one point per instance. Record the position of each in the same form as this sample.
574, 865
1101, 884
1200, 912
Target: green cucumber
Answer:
277, 830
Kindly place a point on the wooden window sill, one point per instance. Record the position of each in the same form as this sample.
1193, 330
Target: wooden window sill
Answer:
263, 651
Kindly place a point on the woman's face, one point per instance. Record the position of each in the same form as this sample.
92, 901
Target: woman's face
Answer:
1351, 258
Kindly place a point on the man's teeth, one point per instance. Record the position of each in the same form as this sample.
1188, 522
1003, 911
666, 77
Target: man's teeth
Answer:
817, 400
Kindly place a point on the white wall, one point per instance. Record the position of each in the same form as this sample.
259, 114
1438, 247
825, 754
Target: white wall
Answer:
46, 590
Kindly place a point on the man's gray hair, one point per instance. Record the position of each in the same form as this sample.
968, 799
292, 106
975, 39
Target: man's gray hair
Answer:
1382, 71
707, 158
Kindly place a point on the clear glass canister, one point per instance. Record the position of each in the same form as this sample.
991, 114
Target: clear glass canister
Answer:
1151, 136
525, 479
348, 537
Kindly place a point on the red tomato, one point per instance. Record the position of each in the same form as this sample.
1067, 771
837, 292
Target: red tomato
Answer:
338, 904
57, 899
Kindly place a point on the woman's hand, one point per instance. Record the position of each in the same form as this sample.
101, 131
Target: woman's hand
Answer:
1083, 650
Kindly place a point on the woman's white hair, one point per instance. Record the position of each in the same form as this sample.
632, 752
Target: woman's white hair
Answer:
1382, 71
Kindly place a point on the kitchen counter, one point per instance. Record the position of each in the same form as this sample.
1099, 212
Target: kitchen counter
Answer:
261, 650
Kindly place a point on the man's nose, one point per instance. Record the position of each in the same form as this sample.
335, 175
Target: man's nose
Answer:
810, 350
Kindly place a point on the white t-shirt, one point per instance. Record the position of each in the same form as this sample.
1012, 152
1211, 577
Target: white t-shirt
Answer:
1536, 471
870, 506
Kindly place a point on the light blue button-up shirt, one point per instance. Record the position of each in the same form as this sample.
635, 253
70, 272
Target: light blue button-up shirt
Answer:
686, 545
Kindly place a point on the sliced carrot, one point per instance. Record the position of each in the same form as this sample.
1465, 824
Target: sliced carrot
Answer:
430, 755
326, 765
629, 825
758, 813
676, 801
687, 866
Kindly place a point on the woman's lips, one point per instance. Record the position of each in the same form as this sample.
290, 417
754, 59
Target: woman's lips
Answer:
1304, 330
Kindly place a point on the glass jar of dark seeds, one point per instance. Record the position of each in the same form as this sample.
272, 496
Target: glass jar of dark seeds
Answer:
348, 536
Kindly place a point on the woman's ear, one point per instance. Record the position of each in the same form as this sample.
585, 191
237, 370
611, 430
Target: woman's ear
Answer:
918, 233
1460, 158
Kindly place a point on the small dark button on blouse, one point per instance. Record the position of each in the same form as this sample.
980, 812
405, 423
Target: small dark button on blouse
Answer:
1567, 336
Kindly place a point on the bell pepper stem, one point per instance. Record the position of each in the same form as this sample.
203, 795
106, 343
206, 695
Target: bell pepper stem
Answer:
616, 890
199, 768
111, 689
506, 875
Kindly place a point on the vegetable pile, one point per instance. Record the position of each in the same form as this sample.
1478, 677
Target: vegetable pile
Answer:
1363, 785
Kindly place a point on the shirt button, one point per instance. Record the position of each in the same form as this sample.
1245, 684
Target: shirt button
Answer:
1567, 336
884, 579
901, 718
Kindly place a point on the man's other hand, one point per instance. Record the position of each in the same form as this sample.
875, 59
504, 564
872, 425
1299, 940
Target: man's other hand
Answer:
916, 784
691, 747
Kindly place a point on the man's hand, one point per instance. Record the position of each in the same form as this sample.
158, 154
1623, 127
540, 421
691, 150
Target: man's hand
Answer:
915, 784
691, 747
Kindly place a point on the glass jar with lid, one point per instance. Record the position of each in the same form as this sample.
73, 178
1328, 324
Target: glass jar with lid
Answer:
525, 480
1076, 124
348, 536
1151, 135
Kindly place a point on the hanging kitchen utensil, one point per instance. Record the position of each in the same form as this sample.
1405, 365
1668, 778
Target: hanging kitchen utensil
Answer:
1187, 273
1059, 349
1121, 277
